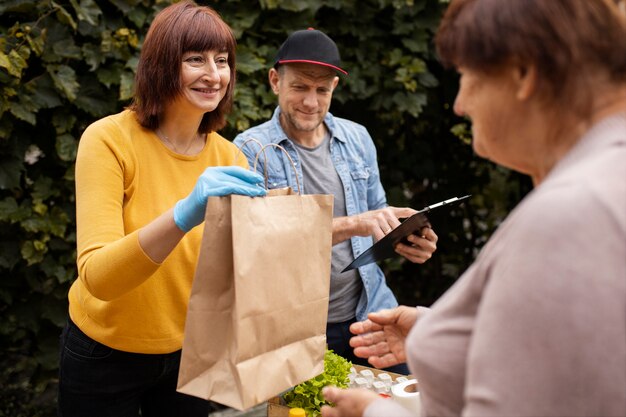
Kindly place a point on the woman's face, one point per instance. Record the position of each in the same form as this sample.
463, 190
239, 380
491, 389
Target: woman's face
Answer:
205, 77
490, 101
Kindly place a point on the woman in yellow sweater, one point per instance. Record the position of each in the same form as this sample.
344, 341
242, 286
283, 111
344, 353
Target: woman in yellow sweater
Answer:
142, 180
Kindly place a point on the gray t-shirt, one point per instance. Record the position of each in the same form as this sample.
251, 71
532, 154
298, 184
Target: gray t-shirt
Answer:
320, 177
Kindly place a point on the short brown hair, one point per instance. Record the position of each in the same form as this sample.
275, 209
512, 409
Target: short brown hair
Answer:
567, 40
177, 29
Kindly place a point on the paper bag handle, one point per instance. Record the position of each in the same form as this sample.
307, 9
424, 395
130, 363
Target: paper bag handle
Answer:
256, 160
258, 142
239, 149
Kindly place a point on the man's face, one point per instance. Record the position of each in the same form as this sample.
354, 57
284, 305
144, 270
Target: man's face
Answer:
304, 94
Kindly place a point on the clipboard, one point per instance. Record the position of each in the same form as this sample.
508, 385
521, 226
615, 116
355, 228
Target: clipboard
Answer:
384, 248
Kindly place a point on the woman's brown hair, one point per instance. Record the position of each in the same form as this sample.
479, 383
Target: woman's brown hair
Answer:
569, 41
177, 29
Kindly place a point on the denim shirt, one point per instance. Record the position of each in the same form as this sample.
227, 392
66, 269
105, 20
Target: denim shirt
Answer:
354, 157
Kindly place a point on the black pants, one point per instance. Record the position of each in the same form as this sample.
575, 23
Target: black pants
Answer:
338, 338
97, 381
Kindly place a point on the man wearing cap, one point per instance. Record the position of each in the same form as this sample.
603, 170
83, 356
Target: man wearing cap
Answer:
332, 156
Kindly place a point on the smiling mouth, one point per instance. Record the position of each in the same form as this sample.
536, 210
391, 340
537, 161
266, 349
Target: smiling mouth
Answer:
206, 90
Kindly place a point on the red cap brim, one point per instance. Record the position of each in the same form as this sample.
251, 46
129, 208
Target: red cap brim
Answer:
305, 61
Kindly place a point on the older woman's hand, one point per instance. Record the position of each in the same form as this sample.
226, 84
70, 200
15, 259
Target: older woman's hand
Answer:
421, 248
381, 337
348, 402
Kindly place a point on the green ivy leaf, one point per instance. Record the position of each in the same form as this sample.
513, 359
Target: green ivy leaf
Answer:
16, 6
30, 253
42, 92
14, 63
8, 208
426, 79
132, 63
64, 16
124, 6
44, 188
39, 208
138, 16
22, 112
92, 56
87, 10
58, 222
292, 5
66, 147
463, 132
63, 121
416, 44
94, 99
110, 75
64, 78
37, 43
248, 62
5, 62
411, 103
10, 172
127, 81
56, 313
35, 224
67, 48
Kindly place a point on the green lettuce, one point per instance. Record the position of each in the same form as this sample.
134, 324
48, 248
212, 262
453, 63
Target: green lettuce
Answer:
308, 395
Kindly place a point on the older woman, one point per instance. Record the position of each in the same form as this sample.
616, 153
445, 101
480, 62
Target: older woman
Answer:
142, 181
537, 325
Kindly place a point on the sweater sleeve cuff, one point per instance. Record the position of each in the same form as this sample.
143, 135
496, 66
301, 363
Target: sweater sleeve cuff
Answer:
386, 407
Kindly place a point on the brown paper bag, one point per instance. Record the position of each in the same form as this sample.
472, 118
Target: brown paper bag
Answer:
256, 321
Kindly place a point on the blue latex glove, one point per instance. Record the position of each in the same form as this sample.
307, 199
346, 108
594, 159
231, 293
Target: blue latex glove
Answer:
215, 181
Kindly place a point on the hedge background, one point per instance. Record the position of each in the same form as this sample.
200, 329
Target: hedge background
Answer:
66, 63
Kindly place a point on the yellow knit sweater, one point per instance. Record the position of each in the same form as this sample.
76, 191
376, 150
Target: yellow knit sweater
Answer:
125, 178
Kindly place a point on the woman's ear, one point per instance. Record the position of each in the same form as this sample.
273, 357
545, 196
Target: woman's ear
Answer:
525, 77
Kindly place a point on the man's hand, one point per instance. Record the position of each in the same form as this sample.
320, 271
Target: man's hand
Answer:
421, 247
376, 223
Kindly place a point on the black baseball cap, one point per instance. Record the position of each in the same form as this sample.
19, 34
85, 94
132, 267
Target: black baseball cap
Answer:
312, 47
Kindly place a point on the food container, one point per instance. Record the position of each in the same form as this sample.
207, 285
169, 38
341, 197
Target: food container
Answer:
276, 406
